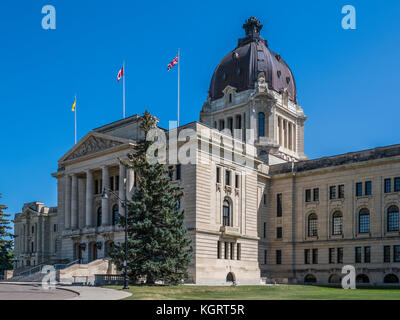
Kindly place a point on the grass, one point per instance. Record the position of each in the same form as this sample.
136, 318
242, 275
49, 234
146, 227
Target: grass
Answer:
262, 292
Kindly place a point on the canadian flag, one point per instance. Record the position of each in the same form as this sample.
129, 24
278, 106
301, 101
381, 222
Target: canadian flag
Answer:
173, 62
120, 73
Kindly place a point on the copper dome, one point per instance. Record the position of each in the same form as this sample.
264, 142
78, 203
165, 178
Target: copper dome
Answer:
240, 67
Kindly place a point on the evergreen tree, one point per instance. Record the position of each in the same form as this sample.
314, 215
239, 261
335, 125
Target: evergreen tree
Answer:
6, 242
158, 246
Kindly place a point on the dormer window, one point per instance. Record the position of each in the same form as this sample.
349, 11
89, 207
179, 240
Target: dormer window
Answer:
230, 98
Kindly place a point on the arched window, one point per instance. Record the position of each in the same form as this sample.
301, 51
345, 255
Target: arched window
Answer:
337, 223
261, 124
226, 213
115, 214
310, 278
334, 278
391, 278
393, 218
99, 217
362, 278
363, 221
312, 225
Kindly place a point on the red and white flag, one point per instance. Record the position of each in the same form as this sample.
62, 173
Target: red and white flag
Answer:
173, 62
120, 73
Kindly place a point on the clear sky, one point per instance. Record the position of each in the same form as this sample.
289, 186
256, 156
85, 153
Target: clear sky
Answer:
347, 80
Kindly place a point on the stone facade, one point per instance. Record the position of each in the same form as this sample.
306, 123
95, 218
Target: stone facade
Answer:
36, 235
257, 208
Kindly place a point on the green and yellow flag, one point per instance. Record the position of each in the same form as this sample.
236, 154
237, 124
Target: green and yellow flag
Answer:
74, 105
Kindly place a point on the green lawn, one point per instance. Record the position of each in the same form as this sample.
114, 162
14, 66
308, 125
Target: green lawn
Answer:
281, 292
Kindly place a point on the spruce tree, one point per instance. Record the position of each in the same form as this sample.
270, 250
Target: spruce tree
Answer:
6, 242
158, 246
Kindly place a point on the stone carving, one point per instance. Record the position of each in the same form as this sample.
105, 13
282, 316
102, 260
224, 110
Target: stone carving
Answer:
91, 146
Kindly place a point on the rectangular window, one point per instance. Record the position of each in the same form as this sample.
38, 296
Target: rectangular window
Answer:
55, 228
358, 255
308, 195
237, 181
392, 220
368, 188
226, 250
332, 192
396, 253
396, 184
96, 186
232, 250
388, 185
227, 177
218, 175
386, 254
339, 255
316, 194
219, 250
278, 257
331, 255
265, 256
306, 256
238, 252
367, 254
358, 189
279, 205
315, 256
265, 230
279, 233
135, 179
341, 192
178, 172
265, 199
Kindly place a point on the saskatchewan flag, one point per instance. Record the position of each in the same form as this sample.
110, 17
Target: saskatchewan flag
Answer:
74, 105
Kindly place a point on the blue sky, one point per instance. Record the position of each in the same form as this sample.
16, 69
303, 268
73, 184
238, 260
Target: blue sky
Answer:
347, 80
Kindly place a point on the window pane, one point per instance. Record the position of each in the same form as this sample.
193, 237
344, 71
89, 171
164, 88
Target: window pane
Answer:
316, 194
308, 195
279, 205
359, 189
388, 185
393, 219
358, 255
340, 255
396, 184
332, 192
367, 254
261, 124
396, 253
312, 225
337, 223
386, 254
368, 188
364, 221
341, 191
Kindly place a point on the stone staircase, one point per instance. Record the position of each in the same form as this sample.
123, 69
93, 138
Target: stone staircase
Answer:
71, 273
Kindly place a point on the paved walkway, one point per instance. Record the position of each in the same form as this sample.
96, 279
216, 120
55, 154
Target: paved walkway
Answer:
34, 291
96, 293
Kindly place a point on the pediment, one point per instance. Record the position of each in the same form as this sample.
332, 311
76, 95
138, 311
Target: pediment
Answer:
92, 144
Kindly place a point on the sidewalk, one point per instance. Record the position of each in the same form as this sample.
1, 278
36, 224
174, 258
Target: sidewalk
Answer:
96, 293
83, 292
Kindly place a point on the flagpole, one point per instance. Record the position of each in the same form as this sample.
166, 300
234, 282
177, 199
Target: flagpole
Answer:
179, 63
75, 118
123, 88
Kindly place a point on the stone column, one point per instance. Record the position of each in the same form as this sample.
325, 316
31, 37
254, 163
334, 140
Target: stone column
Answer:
105, 212
122, 186
89, 198
67, 206
130, 181
74, 202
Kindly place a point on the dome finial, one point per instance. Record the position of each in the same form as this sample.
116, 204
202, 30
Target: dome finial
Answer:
252, 27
